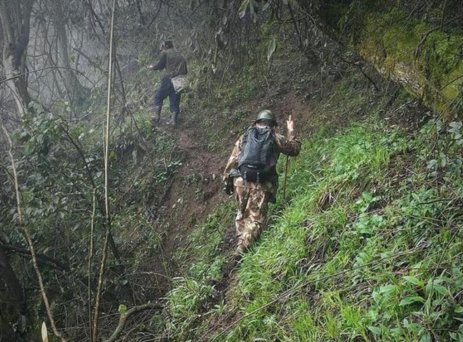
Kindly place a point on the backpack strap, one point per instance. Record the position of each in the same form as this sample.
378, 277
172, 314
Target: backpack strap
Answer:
245, 136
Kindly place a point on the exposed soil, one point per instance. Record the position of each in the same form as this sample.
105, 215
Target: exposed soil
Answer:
196, 188
194, 193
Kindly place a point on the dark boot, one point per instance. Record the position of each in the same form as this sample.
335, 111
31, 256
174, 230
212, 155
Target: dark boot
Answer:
173, 120
156, 116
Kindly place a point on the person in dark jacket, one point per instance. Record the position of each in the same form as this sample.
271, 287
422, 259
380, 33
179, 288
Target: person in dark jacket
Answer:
174, 66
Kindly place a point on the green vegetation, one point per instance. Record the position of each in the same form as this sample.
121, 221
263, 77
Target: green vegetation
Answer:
426, 60
366, 245
57, 201
359, 252
424, 55
368, 248
190, 294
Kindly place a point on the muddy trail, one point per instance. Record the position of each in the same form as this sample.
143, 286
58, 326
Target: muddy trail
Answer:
193, 192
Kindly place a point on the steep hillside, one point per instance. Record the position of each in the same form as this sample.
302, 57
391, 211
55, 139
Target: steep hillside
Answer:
408, 42
365, 247
366, 244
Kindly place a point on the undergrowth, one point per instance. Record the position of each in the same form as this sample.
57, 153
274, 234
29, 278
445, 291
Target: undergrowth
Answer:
368, 247
365, 250
191, 294
62, 198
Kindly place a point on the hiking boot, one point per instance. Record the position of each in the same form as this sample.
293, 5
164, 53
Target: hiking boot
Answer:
156, 116
173, 120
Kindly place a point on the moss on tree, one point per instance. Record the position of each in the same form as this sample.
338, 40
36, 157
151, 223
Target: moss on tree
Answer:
421, 56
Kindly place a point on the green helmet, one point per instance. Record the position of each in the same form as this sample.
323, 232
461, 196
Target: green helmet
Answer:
268, 116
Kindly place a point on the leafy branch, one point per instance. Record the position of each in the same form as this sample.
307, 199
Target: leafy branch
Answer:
28, 237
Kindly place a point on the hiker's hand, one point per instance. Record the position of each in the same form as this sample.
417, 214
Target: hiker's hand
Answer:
228, 186
290, 124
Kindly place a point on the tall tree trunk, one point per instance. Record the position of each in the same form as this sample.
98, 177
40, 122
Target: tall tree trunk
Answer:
15, 18
77, 92
11, 301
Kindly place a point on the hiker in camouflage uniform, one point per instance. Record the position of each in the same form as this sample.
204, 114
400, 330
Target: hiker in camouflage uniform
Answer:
174, 65
253, 195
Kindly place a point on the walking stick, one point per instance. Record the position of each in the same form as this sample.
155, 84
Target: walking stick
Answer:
284, 181
286, 172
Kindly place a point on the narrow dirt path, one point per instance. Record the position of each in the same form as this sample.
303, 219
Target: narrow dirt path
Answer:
194, 193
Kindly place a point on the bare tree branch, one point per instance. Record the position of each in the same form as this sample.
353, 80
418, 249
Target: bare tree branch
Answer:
28, 238
42, 69
106, 167
125, 315
90, 259
42, 258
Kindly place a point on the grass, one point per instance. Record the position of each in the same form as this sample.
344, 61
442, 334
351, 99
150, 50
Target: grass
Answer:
281, 261
362, 268
363, 250
190, 295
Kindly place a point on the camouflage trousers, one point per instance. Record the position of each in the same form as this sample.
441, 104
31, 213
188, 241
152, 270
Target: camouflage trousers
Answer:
252, 199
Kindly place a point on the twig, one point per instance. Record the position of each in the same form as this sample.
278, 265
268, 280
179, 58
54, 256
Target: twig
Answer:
41, 258
3, 80
89, 60
452, 81
101, 274
296, 27
106, 160
358, 64
438, 200
125, 315
426, 35
155, 16
28, 238
95, 16
286, 176
366, 76
151, 273
81, 153
123, 92
90, 258
444, 7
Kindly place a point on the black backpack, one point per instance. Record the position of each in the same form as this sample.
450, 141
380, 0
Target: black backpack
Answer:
258, 157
